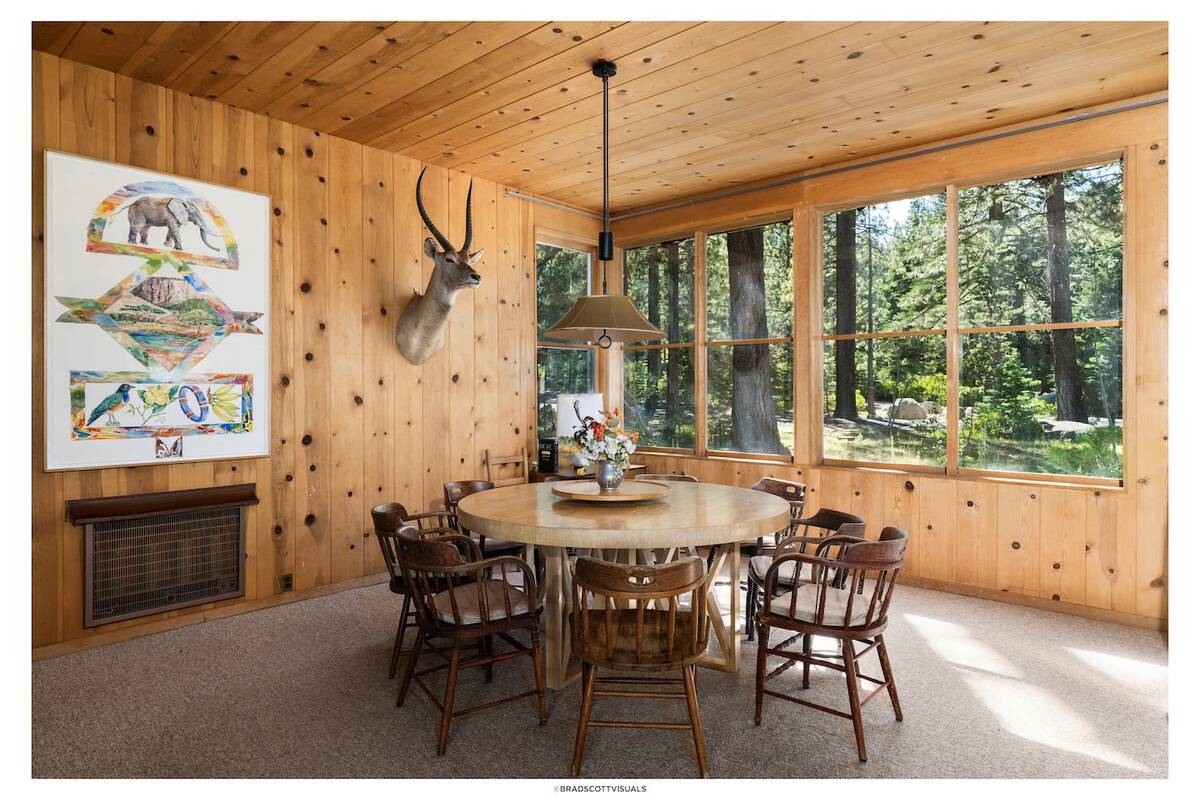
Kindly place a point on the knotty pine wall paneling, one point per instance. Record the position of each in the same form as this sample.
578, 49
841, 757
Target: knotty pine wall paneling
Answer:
353, 424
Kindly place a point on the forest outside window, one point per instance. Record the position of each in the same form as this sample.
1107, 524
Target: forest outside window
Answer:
723, 379
748, 293
1037, 333
660, 378
563, 274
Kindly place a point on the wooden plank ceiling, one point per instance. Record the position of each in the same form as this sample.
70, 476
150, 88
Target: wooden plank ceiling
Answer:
697, 106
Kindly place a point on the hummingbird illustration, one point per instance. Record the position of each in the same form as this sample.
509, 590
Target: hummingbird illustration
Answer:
111, 404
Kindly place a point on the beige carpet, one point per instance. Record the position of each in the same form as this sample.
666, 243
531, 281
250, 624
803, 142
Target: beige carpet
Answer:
989, 690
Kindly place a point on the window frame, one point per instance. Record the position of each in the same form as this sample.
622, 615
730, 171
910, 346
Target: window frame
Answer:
579, 245
953, 332
700, 342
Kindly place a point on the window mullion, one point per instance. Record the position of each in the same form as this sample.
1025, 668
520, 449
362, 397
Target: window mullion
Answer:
953, 347
700, 338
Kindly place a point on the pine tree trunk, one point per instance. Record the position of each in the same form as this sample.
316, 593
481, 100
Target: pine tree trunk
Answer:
1067, 387
753, 404
653, 357
844, 401
673, 354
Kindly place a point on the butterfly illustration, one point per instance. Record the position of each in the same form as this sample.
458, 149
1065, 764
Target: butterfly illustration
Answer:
174, 451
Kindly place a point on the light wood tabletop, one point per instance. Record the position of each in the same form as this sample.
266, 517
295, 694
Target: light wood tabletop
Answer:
692, 515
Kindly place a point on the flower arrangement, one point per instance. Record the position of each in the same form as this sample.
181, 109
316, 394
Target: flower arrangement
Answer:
603, 440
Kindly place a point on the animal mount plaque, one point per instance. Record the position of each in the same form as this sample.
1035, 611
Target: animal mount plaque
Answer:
157, 292
421, 329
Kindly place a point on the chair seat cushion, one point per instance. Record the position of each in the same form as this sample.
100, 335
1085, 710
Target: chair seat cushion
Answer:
835, 605
495, 547
466, 598
786, 575
655, 654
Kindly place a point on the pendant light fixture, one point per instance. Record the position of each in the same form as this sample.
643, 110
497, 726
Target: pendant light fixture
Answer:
604, 318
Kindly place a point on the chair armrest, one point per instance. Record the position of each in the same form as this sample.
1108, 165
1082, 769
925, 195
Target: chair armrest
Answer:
444, 519
823, 543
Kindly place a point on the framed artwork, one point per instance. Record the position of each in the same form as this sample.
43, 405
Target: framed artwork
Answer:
156, 324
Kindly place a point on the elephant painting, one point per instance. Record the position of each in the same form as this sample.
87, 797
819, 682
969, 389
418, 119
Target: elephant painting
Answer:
168, 212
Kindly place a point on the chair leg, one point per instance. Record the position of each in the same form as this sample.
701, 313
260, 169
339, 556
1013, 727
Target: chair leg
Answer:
751, 598
448, 699
485, 647
760, 680
886, 665
852, 690
539, 677
410, 668
806, 648
689, 685
398, 645
585, 714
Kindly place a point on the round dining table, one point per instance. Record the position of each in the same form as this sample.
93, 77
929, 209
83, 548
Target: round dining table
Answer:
691, 515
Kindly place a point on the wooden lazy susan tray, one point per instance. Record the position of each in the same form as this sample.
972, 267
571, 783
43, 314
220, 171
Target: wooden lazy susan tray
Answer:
627, 492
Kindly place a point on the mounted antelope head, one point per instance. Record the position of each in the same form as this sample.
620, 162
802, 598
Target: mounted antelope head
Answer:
421, 329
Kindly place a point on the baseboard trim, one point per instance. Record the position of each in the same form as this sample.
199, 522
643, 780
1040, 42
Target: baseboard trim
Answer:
1057, 606
153, 626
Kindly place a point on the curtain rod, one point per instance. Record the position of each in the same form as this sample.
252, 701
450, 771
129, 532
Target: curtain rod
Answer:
551, 203
940, 148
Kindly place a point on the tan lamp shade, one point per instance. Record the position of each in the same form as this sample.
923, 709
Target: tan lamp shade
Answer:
597, 315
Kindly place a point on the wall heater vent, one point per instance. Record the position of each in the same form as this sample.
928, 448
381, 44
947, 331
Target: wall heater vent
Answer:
145, 554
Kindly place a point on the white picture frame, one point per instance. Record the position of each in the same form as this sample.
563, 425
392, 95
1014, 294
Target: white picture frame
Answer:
157, 317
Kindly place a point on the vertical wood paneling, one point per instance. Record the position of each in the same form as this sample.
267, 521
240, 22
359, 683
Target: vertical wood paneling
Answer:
277, 148
1018, 540
1149, 332
509, 322
975, 535
486, 417
936, 521
313, 467
46, 487
344, 328
1062, 557
379, 390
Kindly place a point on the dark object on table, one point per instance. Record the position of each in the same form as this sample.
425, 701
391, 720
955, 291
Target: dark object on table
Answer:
547, 456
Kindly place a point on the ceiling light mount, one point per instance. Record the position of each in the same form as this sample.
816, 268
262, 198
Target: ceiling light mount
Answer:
603, 319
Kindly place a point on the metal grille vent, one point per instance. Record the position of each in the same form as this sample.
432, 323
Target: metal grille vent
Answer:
152, 553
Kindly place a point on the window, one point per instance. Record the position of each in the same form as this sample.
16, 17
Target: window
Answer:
563, 275
1040, 289
660, 378
1037, 331
735, 362
884, 298
748, 293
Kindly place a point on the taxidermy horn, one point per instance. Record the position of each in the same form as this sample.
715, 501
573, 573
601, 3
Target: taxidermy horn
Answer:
421, 328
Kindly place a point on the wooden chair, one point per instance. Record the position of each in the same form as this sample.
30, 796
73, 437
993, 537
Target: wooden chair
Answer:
794, 493
639, 639
454, 491
493, 465
826, 521
389, 520
663, 476
847, 600
455, 598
